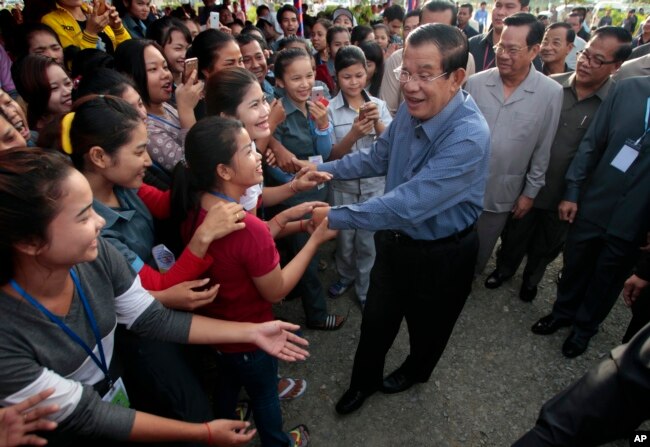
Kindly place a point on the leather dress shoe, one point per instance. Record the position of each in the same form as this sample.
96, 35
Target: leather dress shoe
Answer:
396, 382
527, 293
494, 280
574, 346
351, 401
549, 325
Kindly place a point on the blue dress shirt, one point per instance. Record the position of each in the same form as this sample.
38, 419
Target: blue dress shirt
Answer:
435, 170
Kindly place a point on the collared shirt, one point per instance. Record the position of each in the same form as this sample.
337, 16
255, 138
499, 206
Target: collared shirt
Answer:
435, 174
128, 228
575, 118
522, 129
567, 69
481, 48
136, 28
634, 67
614, 200
300, 135
342, 117
571, 60
268, 90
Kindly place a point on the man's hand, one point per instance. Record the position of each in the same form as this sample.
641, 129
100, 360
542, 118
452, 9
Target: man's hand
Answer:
319, 214
522, 206
298, 165
567, 210
632, 289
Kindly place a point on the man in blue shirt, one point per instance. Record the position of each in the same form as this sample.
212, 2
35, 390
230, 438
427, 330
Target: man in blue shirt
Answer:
435, 159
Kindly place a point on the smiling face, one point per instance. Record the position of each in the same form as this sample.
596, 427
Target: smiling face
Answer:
128, 164
254, 60
555, 47
159, 78
138, 8
352, 80
245, 167
298, 80
9, 136
253, 112
319, 37
289, 23
175, 50
426, 99
14, 114
515, 65
60, 90
45, 44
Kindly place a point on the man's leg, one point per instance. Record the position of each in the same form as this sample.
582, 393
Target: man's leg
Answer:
489, 227
545, 245
515, 238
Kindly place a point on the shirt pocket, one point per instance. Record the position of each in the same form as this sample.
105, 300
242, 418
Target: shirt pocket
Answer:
523, 126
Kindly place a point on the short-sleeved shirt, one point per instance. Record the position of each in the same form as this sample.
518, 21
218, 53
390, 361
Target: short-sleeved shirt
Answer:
166, 138
238, 258
342, 117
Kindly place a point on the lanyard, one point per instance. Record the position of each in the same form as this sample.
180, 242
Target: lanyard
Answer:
164, 121
487, 64
223, 196
100, 362
646, 123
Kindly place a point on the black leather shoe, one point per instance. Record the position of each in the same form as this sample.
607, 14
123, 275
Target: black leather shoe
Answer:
574, 346
494, 280
396, 382
549, 325
351, 401
527, 293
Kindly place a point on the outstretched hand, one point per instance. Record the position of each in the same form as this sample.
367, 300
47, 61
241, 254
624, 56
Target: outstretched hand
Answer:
18, 421
277, 339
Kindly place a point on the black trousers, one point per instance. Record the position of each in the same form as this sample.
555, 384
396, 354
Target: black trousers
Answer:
539, 235
640, 315
426, 282
595, 267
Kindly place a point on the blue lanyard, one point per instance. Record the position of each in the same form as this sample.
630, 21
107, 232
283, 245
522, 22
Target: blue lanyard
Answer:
223, 196
163, 120
101, 362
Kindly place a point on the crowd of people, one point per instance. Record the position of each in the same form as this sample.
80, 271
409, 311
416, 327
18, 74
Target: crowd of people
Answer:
166, 178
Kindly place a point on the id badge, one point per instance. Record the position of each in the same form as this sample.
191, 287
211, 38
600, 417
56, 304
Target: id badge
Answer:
117, 394
318, 159
626, 156
164, 258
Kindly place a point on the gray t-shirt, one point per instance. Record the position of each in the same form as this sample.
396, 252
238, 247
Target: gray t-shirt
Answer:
36, 354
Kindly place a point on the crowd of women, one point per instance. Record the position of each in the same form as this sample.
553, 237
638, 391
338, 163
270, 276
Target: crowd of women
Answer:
175, 144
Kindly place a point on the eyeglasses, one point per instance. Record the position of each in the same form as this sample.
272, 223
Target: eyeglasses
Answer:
593, 60
512, 51
404, 76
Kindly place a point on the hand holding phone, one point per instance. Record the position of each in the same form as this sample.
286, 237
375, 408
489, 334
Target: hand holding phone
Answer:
190, 65
213, 22
317, 93
100, 7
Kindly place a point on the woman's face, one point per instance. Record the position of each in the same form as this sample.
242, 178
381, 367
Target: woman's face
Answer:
60, 90
253, 111
193, 27
127, 166
138, 8
45, 44
14, 114
352, 80
339, 40
319, 37
131, 96
371, 69
9, 136
343, 21
246, 163
159, 78
381, 37
72, 234
175, 51
298, 80
229, 56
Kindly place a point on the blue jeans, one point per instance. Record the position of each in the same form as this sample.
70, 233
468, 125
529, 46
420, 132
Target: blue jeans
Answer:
257, 372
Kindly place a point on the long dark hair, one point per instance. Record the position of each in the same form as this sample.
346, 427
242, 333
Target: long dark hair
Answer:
226, 90
206, 47
129, 59
30, 191
374, 53
30, 77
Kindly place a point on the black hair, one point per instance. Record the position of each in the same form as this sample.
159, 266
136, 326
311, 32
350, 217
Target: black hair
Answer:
332, 31
326, 23
285, 58
209, 143
238, 22
104, 81
441, 6
260, 8
88, 60
580, 17
535, 28
450, 40
101, 120
413, 13
161, 30
285, 42
394, 12
284, 9
374, 53
25, 32
129, 59
225, 91
31, 182
359, 34
468, 6
245, 39
206, 47
622, 35
348, 56
570, 34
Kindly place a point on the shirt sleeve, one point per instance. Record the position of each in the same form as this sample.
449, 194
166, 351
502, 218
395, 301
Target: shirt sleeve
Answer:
186, 268
323, 140
261, 254
390, 88
5, 73
157, 202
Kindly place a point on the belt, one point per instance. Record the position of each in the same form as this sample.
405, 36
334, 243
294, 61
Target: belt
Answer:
401, 238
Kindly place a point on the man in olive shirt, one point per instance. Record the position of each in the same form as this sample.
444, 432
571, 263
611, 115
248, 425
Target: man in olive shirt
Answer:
540, 234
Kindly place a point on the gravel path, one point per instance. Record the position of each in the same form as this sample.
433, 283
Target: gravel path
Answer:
486, 390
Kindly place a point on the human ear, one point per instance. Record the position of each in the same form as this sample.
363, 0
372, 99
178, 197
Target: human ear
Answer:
98, 157
224, 172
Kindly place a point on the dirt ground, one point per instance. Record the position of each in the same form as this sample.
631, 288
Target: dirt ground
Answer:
486, 390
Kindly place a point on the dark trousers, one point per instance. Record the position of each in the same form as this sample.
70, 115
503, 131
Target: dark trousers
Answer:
426, 282
540, 236
640, 315
595, 267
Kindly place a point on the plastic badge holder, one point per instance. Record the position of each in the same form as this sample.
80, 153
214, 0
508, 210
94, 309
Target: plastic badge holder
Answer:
164, 258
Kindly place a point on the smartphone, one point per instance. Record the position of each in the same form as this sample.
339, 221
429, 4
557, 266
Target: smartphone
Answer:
100, 7
214, 20
362, 113
317, 93
190, 65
